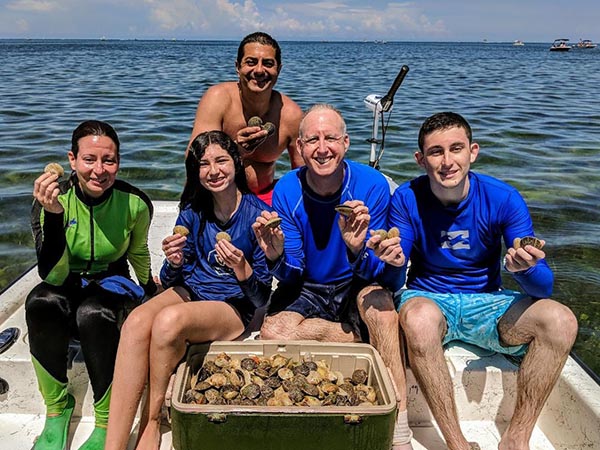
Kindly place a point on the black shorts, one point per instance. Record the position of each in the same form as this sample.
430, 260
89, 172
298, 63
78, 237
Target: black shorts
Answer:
333, 302
244, 307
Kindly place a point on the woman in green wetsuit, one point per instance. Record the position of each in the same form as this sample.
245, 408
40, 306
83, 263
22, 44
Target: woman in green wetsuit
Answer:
86, 229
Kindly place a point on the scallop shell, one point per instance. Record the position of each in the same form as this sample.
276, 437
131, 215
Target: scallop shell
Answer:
55, 168
269, 127
223, 235
273, 223
393, 232
344, 210
255, 121
181, 230
382, 233
527, 240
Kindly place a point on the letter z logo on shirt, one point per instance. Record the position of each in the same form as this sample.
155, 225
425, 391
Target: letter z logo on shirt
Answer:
456, 240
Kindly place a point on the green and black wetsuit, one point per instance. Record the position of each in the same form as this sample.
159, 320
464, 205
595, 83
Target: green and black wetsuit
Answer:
94, 237
86, 289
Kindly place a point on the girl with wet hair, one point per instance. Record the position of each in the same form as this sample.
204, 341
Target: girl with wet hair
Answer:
215, 276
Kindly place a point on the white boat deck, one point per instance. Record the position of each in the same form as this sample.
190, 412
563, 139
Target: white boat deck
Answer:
484, 386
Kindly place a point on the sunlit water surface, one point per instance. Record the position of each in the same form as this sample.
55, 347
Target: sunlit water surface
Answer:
535, 113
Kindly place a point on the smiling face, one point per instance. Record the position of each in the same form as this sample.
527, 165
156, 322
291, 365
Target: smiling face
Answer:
96, 164
258, 69
217, 170
323, 143
447, 156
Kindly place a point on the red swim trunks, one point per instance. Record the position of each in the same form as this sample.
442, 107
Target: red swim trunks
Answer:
266, 195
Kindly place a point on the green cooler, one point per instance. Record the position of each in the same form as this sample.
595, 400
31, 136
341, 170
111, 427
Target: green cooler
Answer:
234, 427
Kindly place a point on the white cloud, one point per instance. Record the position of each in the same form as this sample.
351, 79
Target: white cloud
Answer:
292, 19
330, 19
33, 6
326, 6
228, 19
177, 15
204, 16
353, 19
244, 15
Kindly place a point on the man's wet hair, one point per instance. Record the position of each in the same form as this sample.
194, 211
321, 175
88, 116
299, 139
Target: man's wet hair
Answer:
260, 38
443, 121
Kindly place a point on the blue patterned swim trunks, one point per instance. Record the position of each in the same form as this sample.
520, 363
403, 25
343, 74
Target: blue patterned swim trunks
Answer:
472, 318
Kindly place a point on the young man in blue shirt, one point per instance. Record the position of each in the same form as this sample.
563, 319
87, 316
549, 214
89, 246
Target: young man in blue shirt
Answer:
452, 223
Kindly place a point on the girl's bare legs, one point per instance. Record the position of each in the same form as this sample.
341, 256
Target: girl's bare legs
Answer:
131, 368
172, 330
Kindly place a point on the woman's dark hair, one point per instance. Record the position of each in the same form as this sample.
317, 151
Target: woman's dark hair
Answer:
259, 38
194, 194
93, 128
443, 121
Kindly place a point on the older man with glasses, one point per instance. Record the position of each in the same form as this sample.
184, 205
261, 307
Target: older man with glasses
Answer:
318, 253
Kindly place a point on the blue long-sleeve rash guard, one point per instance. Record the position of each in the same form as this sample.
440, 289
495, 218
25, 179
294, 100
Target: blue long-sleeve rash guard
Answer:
314, 250
202, 272
458, 248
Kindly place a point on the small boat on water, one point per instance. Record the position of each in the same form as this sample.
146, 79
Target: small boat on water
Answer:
518, 43
560, 45
585, 44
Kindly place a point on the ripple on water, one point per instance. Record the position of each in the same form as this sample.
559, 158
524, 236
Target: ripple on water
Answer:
537, 130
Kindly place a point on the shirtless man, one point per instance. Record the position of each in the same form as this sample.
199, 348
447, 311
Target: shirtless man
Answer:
228, 106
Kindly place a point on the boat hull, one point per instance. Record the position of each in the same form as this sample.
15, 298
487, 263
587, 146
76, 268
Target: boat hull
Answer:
484, 386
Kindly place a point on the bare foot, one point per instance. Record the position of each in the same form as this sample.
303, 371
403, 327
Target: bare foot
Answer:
512, 444
467, 446
150, 438
407, 446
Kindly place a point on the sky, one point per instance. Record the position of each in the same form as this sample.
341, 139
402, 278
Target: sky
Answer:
427, 20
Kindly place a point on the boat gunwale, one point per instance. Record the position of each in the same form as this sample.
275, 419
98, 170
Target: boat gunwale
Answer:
587, 369
17, 278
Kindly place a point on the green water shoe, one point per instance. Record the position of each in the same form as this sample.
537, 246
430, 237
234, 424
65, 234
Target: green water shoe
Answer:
98, 437
56, 429
96, 440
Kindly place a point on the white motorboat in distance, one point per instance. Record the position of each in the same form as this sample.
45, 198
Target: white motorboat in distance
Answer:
585, 44
560, 45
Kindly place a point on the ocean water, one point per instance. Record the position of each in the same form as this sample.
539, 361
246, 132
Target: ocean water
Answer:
535, 113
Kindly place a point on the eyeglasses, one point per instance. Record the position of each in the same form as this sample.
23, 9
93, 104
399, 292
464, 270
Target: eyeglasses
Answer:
313, 142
